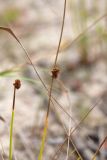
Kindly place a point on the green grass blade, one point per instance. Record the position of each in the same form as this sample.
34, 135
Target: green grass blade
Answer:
11, 136
43, 140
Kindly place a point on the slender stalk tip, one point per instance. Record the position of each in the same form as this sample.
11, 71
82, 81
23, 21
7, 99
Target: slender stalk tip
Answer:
17, 84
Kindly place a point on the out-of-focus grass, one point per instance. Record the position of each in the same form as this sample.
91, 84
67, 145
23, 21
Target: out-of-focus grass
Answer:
8, 72
9, 15
82, 16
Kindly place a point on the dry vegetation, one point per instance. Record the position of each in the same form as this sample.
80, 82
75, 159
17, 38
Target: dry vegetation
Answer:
58, 51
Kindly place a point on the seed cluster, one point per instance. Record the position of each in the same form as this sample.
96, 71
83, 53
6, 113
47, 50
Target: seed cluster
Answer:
55, 72
17, 84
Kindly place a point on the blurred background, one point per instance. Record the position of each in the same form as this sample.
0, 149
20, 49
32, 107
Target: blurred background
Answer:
81, 85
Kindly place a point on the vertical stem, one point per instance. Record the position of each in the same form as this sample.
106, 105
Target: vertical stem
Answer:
51, 87
11, 126
11, 136
61, 34
13, 106
16, 85
46, 124
43, 140
49, 102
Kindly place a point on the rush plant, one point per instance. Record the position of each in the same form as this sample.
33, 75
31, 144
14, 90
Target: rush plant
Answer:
51, 99
16, 85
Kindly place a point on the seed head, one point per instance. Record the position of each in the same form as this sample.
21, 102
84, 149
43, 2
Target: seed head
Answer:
55, 72
17, 84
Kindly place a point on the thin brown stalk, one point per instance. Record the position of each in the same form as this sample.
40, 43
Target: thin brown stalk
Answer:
60, 39
86, 115
87, 29
71, 132
50, 93
11, 32
68, 97
68, 139
100, 146
79, 155
35, 70
26, 53
60, 147
55, 72
55, 62
60, 121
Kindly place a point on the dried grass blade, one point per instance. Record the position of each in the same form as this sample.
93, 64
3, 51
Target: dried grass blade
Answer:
97, 151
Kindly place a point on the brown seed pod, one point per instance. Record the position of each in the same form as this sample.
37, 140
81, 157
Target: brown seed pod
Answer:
55, 72
17, 84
